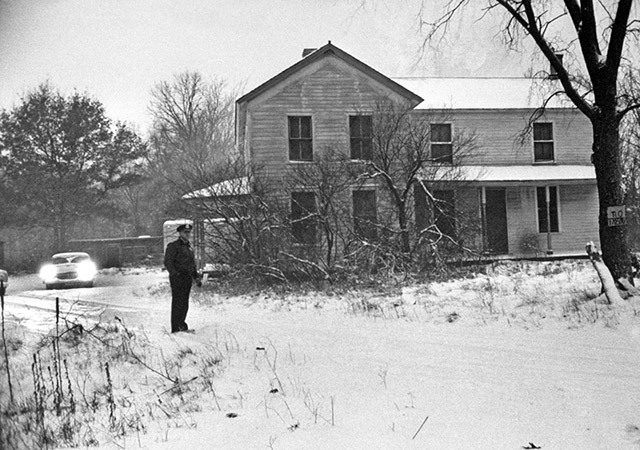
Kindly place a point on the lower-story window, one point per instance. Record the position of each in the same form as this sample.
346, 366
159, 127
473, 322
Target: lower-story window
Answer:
303, 217
444, 212
547, 197
365, 214
437, 209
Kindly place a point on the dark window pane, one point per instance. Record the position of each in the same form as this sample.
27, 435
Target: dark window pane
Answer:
542, 131
367, 126
553, 209
305, 127
421, 208
294, 127
354, 126
444, 212
542, 209
367, 149
440, 132
543, 151
294, 149
303, 217
356, 148
442, 153
306, 152
360, 132
365, 214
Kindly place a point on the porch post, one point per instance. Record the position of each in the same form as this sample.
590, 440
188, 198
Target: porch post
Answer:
483, 214
547, 201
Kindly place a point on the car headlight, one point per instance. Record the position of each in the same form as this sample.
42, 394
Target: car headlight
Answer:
48, 272
86, 270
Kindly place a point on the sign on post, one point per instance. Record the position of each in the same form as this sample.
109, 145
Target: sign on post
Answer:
616, 216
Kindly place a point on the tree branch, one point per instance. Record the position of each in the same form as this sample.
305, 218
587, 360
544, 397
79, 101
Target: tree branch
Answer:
616, 42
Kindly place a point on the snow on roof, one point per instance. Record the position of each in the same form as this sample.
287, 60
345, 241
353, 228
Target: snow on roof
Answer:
523, 174
235, 186
484, 93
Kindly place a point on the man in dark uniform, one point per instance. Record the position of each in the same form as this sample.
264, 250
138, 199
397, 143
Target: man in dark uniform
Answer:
181, 265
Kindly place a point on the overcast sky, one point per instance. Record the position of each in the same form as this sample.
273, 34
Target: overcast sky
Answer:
116, 50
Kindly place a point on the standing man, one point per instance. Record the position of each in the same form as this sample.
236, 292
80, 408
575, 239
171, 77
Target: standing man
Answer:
181, 265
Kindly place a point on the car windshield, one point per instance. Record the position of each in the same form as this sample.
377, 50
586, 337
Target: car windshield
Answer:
70, 259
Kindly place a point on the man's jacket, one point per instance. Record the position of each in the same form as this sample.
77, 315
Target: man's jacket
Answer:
179, 259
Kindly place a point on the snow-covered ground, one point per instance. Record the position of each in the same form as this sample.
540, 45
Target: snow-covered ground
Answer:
517, 358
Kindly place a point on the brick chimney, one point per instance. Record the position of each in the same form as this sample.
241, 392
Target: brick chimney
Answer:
553, 75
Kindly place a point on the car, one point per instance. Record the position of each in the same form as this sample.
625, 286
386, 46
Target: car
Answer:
70, 269
4, 281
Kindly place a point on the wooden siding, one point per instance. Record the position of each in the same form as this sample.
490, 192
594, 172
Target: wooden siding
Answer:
498, 139
329, 93
578, 217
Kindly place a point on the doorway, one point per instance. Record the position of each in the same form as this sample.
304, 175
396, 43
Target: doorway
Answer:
496, 232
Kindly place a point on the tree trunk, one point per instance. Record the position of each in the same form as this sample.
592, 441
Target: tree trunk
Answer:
608, 283
404, 229
606, 159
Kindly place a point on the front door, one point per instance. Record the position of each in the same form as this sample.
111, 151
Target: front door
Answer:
496, 221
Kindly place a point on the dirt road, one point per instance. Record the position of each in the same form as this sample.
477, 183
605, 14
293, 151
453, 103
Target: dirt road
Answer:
121, 294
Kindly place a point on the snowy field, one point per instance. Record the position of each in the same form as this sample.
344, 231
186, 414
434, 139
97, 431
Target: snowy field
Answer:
520, 357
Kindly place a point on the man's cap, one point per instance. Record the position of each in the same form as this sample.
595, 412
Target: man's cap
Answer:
185, 226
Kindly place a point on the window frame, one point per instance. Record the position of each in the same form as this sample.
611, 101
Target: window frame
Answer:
536, 159
445, 159
298, 141
303, 229
360, 139
553, 199
369, 233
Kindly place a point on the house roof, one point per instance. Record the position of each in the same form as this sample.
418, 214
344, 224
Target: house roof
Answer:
235, 186
330, 49
485, 93
530, 174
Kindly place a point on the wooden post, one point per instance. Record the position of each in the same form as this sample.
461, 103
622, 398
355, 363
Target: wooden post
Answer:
548, 219
483, 214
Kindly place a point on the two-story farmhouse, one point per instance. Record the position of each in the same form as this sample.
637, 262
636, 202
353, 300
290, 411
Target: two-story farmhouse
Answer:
518, 193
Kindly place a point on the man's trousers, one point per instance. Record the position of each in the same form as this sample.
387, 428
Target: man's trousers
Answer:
180, 289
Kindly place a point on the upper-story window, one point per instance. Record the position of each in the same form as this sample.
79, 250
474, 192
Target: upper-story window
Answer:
361, 134
365, 215
300, 138
543, 142
441, 143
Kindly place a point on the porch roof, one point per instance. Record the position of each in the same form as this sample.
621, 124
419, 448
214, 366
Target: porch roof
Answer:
529, 174
233, 187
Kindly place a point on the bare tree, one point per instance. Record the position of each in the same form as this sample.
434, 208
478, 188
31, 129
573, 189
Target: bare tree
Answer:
329, 178
403, 157
192, 134
592, 37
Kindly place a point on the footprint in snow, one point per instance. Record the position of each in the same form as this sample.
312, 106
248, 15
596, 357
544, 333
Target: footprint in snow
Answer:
632, 433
